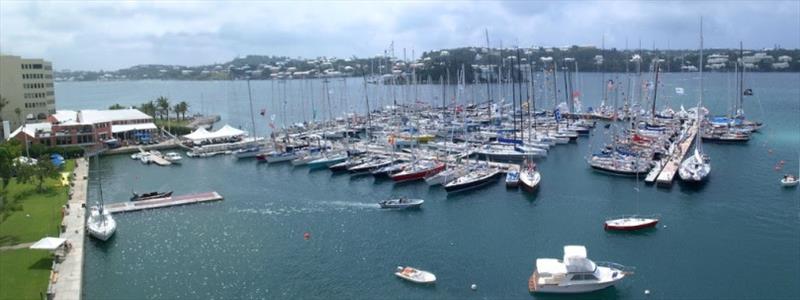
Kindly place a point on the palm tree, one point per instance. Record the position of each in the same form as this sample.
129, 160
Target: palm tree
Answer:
177, 110
184, 108
18, 112
3, 103
148, 108
162, 103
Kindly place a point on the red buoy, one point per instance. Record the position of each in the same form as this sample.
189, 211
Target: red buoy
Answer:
306, 236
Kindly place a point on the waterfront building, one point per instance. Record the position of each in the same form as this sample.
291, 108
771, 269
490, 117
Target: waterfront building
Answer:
27, 86
88, 127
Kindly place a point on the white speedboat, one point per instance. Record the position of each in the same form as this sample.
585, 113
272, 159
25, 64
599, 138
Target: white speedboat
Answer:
136, 156
173, 157
401, 202
101, 224
630, 223
415, 275
575, 274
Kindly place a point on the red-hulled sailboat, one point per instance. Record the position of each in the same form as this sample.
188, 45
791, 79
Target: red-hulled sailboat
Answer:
418, 170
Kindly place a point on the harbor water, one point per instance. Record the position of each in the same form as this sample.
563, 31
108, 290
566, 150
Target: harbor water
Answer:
735, 237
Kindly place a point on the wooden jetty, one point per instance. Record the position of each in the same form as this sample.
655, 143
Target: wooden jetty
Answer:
128, 206
676, 157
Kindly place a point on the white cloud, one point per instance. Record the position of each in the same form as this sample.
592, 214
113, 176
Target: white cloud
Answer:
110, 35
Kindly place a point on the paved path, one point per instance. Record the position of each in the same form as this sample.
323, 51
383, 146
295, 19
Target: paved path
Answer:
70, 272
17, 246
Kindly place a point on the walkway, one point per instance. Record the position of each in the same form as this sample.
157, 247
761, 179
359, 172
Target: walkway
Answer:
69, 279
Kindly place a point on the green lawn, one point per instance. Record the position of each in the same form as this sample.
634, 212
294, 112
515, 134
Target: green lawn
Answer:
41, 213
24, 273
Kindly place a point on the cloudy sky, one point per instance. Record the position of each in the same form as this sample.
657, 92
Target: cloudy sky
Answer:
111, 35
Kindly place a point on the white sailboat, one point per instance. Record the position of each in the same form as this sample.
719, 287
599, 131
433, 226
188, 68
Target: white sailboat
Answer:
697, 166
101, 224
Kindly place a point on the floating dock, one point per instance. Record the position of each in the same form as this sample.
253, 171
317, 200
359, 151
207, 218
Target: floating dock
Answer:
673, 164
128, 206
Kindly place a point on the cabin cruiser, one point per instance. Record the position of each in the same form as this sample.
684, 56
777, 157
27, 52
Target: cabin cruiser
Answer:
574, 274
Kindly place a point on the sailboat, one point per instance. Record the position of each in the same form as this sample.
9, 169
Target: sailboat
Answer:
101, 224
529, 177
631, 222
697, 167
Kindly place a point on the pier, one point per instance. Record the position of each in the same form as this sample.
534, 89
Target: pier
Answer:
128, 206
677, 154
66, 279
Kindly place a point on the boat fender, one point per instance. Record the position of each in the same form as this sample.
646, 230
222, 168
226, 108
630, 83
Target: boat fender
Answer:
474, 287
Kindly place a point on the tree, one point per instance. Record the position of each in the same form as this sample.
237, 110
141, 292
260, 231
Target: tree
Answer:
177, 110
18, 112
162, 104
181, 109
5, 167
116, 106
148, 108
42, 170
3, 103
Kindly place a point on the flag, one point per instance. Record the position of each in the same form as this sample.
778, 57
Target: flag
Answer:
748, 92
263, 112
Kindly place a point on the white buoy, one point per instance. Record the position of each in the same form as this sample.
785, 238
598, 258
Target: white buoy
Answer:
474, 287
647, 292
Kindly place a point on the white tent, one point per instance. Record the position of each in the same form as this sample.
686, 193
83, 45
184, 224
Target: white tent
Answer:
48, 243
225, 132
199, 134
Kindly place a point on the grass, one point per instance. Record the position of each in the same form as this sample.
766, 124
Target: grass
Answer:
41, 212
25, 273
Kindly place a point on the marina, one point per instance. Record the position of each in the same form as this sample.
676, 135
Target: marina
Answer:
281, 202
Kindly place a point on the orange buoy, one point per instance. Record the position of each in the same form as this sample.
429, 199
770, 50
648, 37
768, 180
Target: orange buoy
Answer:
306, 236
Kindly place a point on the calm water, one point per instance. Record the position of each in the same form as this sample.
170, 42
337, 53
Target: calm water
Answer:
736, 237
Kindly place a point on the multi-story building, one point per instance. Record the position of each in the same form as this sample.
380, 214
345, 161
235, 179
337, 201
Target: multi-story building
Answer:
27, 87
88, 128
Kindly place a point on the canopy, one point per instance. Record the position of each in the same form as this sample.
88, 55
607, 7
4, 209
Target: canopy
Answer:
225, 132
550, 266
48, 243
576, 261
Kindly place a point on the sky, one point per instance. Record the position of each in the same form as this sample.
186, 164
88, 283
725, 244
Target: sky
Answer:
84, 35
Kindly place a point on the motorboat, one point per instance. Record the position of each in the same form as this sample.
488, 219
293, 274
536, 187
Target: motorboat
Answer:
150, 196
630, 223
415, 275
100, 224
173, 157
790, 180
136, 156
474, 179
418, 170
574, 274
401, 202
512, 179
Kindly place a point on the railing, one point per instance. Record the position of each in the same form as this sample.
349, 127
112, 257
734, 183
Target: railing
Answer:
650, 216
623, 268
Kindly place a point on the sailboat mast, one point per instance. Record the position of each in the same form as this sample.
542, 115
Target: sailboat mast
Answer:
655, 90
700, 123
252, 118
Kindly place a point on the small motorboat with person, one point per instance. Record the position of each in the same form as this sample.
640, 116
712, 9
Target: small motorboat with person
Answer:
401, 202
150, 196
415, 275
791, 180
512, 179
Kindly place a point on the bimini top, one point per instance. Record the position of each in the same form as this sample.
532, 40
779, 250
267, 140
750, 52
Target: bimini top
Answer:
550, 266
575, 259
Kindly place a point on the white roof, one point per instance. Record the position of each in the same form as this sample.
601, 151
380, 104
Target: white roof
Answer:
65, 116
30, 129
99, 116
48, 243
129, 127
225, 132
550, 266
575, 259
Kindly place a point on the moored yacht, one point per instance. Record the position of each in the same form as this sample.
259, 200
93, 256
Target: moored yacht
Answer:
574, 274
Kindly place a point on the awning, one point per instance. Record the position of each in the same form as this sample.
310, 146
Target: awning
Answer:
48, 243
131, 127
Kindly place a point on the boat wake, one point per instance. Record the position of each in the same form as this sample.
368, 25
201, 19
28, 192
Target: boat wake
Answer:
352, 204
